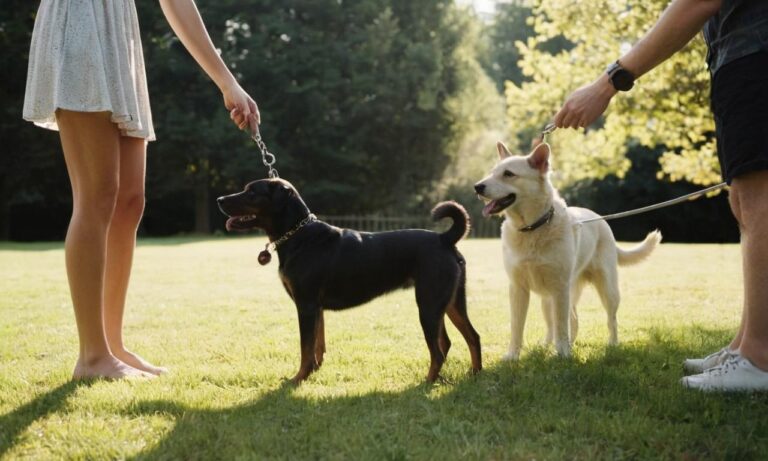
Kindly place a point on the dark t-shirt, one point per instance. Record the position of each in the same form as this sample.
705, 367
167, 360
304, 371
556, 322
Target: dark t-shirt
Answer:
739, 29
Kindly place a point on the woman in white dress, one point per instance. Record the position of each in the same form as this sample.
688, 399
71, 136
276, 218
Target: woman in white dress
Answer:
86, 79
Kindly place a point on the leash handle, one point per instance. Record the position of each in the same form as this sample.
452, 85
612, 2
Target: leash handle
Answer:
267, 157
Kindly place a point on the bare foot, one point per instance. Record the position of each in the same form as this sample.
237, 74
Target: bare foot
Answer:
108, 368
137, 362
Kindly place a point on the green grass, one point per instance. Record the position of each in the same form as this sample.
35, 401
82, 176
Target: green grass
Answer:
225, 327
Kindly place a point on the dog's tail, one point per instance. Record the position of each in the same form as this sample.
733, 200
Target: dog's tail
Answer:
641, 251
458, 214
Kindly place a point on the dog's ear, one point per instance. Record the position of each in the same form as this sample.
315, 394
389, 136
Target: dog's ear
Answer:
503, 151
539, 158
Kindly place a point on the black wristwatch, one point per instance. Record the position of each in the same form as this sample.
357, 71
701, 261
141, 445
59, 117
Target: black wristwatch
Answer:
620, 78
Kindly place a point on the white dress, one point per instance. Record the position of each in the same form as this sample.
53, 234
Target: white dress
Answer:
86, 56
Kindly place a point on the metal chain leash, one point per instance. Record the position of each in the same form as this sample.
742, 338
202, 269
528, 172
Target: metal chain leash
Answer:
267, 157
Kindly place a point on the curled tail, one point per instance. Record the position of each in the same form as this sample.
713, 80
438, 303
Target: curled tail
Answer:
641, 251
460, 218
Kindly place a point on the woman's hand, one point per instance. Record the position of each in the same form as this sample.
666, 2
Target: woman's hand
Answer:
242, 108
586, 104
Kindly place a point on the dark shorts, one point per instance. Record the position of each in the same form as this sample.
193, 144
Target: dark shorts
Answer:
740, 106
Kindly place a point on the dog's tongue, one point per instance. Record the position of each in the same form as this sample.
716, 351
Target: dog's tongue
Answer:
488, 208
229, 223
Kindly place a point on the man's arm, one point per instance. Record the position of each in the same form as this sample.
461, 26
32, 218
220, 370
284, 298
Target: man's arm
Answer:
679, 23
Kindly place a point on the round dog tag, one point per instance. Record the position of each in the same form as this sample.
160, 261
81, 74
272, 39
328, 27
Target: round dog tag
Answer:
264, 258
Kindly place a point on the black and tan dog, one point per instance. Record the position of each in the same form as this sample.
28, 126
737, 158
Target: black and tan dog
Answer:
325, 267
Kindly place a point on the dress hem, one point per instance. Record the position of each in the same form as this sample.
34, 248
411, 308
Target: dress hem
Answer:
49, 122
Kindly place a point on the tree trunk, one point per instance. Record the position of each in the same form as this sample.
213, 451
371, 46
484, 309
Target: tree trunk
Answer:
202, 206
5, 223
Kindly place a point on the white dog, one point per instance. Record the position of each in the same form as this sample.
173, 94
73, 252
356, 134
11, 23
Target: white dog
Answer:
547, 251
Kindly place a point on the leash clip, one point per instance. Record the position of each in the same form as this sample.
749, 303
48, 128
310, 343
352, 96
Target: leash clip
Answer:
548, 129
267, 157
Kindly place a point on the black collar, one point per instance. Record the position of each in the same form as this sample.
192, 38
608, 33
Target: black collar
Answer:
540, 222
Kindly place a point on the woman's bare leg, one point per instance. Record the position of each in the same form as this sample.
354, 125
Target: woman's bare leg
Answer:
91, 149
121, 242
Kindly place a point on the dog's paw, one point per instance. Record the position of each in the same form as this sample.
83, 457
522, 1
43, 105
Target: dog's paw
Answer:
563, 349
300, 377
511, 356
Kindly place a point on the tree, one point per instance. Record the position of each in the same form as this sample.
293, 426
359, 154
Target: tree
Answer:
510, 25
361, 91
366, 104
359, 101
34, 189
668, 107
196, 139
477, 109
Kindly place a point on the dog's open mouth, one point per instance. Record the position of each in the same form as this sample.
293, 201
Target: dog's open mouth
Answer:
498, 205
241, 222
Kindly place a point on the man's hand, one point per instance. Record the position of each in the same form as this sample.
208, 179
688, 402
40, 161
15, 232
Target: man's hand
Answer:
679, 23
586, 104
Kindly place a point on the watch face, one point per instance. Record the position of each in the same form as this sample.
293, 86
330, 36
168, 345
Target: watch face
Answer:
622, 80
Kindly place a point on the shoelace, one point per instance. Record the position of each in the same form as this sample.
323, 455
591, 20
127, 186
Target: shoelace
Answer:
730, 364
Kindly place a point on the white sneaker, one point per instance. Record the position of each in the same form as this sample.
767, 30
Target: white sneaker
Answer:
695, 366
733, 375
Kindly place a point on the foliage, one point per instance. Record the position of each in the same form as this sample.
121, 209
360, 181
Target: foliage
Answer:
479, 121
372, 106
363, 102
667, 107
510, 25
228, 331
32, 170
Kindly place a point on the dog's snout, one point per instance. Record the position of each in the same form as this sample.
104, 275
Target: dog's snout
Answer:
220, 203
479, 188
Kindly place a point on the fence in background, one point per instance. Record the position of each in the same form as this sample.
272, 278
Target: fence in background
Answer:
481, 228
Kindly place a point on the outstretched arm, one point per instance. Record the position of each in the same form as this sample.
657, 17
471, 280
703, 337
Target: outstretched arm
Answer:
186, 22
679, 23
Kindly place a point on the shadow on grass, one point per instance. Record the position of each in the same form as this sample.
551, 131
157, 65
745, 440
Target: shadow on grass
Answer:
622, 402
17, 421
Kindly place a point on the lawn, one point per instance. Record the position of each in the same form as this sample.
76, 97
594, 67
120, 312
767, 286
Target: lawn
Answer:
225, 327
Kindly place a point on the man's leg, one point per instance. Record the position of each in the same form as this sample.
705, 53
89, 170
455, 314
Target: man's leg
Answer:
750, 206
